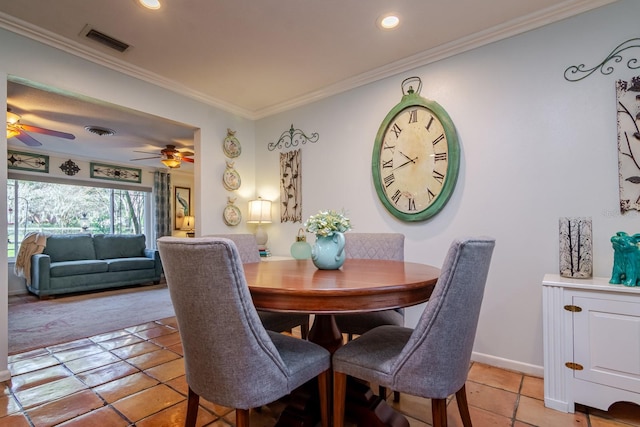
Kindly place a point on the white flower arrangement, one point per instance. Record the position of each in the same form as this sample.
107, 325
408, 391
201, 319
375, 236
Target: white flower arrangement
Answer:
325, 223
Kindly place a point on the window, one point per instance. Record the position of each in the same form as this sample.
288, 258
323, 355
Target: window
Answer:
61, 208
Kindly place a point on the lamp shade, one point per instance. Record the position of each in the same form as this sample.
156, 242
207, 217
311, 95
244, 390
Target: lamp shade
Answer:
259, 211
188, 223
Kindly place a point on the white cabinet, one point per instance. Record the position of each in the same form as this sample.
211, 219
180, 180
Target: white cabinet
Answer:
591, 333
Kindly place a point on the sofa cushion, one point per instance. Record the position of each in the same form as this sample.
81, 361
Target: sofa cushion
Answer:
74, 268
128, 264
110, 246
69, 247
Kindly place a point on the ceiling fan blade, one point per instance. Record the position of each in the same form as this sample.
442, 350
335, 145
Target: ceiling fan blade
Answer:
146, 152
28, 139
44, 131
145, 158
186, 153
187, 159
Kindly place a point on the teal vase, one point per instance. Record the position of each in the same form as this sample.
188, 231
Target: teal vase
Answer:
328, 252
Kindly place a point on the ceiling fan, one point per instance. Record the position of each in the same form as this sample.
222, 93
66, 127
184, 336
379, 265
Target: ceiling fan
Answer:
19, 130
169, 156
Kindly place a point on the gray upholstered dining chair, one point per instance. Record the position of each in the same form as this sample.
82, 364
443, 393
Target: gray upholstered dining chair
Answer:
389, 246
432, 360
278, 322
230, 358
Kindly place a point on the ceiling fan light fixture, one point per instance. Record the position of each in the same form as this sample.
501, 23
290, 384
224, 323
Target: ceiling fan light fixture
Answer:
12, 118
12, 124
12, 131
171, 162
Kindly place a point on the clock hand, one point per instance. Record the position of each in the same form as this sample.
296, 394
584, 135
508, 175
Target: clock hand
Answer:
408, 158
406, 163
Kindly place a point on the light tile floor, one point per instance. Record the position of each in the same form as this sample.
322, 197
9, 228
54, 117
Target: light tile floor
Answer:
135, 377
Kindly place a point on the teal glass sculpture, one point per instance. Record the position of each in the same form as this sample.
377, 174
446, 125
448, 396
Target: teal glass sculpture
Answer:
626, 259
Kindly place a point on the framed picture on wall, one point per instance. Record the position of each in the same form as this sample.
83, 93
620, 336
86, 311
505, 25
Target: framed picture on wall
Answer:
181, 205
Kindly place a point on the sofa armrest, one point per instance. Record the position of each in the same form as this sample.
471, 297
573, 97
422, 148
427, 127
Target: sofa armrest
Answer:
154, 254
40, 269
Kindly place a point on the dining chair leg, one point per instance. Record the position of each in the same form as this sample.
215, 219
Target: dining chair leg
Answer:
439, 412
242, 417
382, 392
192, 408
396, 396
463, 406
339, 396
304, 330
323, 389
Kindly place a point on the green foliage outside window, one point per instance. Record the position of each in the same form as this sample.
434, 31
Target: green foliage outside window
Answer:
65, 209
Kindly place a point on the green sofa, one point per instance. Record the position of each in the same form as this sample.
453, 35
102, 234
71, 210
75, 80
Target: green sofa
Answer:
83, 262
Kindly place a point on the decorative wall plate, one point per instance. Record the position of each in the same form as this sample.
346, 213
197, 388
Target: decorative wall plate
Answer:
231, 146
231, 214
231, 178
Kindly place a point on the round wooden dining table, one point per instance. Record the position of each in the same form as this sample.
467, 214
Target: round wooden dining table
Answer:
359, 286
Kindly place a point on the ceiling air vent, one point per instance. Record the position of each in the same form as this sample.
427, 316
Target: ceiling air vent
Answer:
100, 130
106, 40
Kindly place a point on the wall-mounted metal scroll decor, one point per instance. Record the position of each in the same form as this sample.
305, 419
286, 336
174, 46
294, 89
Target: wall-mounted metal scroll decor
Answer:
115, 173
27, 161
578, 72
292, 138
70, 168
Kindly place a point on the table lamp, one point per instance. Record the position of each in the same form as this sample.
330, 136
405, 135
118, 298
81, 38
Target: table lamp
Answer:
260, 213
188, 223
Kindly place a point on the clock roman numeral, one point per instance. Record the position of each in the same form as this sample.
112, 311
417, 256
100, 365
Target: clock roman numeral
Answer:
430, 123
396, 130
438, 139
396, 197
389, 147
388, 180
413, 116
412, 204
440, 156
387, 163
438, 176
430, 195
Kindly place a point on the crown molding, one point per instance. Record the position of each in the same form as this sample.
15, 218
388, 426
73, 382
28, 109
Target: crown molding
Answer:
512, 28
550, 15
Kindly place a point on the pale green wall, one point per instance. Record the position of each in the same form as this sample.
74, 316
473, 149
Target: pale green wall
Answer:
534, 148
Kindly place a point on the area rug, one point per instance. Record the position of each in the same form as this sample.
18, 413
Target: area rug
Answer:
40, 324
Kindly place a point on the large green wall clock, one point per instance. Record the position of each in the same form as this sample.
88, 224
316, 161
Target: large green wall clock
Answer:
416, 156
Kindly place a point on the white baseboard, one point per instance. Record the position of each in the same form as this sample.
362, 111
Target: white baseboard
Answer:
512, 365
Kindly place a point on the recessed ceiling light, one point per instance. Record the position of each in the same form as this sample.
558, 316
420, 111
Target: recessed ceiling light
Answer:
150, 4
388, 22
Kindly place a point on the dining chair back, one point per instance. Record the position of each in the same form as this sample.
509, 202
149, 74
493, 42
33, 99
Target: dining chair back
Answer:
278, 322
432, 360
386, 246
230, 358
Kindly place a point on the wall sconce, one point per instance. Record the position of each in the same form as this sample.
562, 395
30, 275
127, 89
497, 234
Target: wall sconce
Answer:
188, 223
260, 213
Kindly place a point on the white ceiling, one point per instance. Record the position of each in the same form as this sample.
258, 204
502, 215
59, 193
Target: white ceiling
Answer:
251, 57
